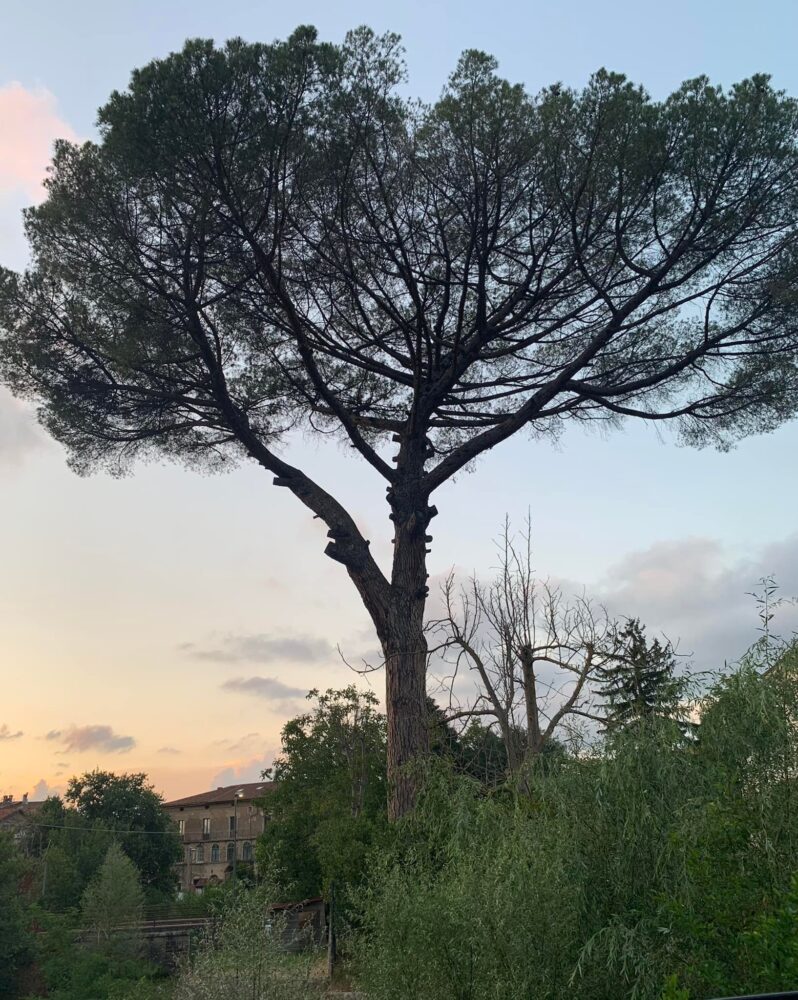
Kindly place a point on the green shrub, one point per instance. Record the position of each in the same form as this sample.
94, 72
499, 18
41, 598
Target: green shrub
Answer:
243, 956
657, 866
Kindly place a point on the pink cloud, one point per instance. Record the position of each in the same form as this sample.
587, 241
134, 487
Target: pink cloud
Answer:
29, 125
243, 770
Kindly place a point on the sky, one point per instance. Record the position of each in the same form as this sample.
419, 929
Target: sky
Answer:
170, 622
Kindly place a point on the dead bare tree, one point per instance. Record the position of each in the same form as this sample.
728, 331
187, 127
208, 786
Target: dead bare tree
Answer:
533, 652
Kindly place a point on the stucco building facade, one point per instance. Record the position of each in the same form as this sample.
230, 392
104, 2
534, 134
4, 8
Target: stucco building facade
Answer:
217, 829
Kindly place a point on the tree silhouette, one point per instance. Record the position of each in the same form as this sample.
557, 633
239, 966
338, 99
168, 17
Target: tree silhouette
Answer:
273, 236
640, 683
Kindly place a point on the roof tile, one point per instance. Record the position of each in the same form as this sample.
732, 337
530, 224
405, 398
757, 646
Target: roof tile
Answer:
250, 791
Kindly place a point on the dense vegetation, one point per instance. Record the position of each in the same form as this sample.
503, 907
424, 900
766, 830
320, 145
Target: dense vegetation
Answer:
653, 866
654, 860
84, 865
328, 808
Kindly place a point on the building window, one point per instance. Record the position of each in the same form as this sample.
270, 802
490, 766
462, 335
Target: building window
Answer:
206, 827
199, 855
232, 820
215, 853
247, 851
231, 852
181, 827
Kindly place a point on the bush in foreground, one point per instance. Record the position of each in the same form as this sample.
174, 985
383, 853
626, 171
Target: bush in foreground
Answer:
656, 866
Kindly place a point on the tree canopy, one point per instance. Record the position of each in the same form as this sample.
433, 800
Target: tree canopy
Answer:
132, 811
113, 899
328, 803
269, 236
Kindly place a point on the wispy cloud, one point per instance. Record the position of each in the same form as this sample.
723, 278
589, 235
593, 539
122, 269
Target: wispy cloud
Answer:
169, 751
262, 648
263, 687
29, 124
8, 734
82, 738
241, 744
245, 770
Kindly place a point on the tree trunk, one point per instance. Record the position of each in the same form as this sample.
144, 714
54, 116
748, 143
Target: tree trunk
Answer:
396, 607
402, 633
533, 733
405, 699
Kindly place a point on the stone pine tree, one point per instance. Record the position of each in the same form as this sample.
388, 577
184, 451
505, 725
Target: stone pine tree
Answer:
268, 237
640, 682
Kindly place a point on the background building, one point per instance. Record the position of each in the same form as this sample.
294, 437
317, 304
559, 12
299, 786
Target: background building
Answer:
218, 828
16, 815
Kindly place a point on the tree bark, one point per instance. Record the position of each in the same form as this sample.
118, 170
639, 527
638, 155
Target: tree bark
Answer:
402, 632
533, 733
405, 699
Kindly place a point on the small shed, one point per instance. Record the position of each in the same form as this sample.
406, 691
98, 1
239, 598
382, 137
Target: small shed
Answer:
303, 924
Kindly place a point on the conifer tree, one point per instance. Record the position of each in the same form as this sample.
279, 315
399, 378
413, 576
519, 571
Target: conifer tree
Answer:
114, 899
640, 682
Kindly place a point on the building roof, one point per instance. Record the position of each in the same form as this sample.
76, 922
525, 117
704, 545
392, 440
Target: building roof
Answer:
13, 809
7, 811
245, 792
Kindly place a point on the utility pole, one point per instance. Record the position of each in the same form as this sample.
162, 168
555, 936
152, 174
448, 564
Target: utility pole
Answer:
44, 872
237, 796
332, 944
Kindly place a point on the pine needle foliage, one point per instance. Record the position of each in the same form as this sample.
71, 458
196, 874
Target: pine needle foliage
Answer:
639, 682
